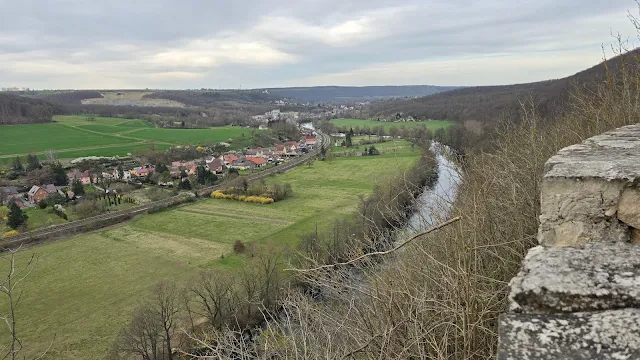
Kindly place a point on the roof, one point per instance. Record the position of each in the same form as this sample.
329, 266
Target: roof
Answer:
257, 160
243, 163
9, 190
50, 188
215, 164
34, 189
231, 157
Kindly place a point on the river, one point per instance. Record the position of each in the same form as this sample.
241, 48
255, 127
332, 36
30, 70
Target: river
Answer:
433, 204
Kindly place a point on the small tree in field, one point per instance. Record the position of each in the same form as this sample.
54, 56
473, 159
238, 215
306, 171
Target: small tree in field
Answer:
16, 216
239, 247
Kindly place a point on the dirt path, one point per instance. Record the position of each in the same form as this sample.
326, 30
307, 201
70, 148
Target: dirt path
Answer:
75, 149
130, 131
118, 135
248, 217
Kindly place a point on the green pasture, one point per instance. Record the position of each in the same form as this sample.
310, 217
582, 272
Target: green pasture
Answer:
432, 125
78, 136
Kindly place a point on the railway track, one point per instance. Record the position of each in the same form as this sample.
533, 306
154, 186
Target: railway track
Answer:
111, 218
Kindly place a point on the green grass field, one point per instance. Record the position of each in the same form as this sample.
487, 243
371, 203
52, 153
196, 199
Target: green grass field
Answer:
191, 136
77, 136
431, 125
21, 139
85, 288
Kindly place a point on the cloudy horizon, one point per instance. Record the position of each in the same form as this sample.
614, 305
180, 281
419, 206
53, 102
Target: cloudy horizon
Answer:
72, 44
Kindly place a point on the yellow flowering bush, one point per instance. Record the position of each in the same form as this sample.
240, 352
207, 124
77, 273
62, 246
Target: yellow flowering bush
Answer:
10, 233
249, 199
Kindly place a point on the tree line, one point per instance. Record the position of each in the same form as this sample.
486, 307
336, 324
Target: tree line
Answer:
22, 110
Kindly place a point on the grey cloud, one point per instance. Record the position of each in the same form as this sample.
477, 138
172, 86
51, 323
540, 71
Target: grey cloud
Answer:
272, 42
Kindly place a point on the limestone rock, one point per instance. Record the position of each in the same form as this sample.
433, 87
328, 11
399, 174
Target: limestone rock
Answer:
613, 334
597, 276
582, 188
629, 207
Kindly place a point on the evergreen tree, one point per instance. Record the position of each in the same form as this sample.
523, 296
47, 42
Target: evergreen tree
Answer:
120, 171
76, 187
185, 184
33, 163
204, 176
16, 216
347, 140
161, 168
59, 175
17, 165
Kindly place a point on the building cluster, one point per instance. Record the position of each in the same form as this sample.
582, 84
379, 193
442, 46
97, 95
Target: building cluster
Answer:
254, 158
277, 115
248, 159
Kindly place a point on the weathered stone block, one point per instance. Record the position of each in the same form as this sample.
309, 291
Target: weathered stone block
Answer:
613, 334
597, 276
629, 207
583, 186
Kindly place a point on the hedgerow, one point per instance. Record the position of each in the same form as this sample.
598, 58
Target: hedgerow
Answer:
248, 199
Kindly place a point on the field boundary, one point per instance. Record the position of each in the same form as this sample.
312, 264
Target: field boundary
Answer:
72, 228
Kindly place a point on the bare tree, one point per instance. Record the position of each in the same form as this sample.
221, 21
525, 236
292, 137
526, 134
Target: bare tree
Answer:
212, 295
165, 305
141, 338
151, 330
9, 287
51, 156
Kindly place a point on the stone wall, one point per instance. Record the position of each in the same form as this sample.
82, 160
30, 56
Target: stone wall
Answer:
577, 295
590, 191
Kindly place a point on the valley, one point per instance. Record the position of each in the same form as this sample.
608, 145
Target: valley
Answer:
85, 288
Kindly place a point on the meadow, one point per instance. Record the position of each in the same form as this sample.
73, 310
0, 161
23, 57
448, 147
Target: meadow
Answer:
432, 125
85, 288
77, 136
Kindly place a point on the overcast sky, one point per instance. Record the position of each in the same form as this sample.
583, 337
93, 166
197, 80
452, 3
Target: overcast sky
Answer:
267, 43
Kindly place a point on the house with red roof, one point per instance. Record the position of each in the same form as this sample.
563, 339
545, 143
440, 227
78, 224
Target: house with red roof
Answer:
230, 158
258, 161
38, 193
310, 141
85, 177
143, 171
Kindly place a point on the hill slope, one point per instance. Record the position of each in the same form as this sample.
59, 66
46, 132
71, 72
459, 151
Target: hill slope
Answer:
338, 94
488, 103
22, 110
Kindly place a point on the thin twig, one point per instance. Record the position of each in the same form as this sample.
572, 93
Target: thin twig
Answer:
437, 227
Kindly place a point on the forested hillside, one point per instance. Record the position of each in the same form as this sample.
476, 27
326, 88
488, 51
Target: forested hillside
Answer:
71, 97
22, 110
490, 103
214, 97
338, 94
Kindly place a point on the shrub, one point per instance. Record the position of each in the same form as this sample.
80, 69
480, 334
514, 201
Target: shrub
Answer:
249, 199
88, 208
239, 247
10, 233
